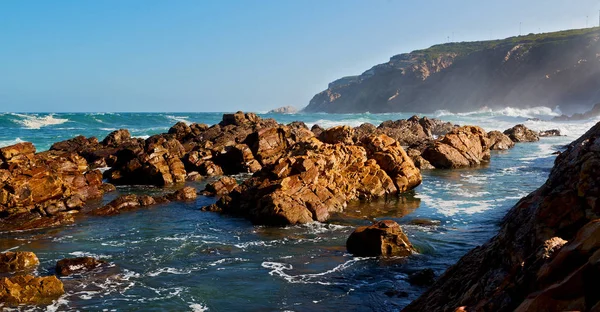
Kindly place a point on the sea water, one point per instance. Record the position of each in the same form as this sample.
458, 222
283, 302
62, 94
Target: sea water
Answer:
173, 257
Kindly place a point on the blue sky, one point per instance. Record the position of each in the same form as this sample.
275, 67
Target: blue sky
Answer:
147, 55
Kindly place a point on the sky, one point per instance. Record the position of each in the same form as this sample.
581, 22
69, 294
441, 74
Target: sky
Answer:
252, 55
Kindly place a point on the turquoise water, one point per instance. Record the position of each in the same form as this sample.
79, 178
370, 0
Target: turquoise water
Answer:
174, 257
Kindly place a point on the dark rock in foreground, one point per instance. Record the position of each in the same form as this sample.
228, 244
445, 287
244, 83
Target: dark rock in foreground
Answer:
546, 256
384, 238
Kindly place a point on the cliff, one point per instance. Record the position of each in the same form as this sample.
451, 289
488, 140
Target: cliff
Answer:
546, 256
550, 69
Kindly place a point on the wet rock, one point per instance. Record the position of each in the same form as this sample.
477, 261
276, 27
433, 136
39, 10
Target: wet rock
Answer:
384, 238
123, 202
338, 134
424, 222
520, 133
79, 265
221, 187
27, 289
462, 147
545, 256
549, 133
25, 221
499, 141
17, 261
133, 201
185, 194
424, 277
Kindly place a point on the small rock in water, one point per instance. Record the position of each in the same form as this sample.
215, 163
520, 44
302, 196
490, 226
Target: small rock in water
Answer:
550, 133
520, 133
424, 277
396, 293
424, 222
384, 238
69, 266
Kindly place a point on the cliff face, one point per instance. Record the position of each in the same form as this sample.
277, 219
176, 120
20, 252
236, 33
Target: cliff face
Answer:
550, 69
546, 256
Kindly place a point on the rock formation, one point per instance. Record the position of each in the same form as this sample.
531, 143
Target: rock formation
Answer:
384, 238
43, 189
284, 110
462, 147
549, 133
70, 266
546, 254
133, 201
27, 289
17, 261
520, 133
499, 141
316, 178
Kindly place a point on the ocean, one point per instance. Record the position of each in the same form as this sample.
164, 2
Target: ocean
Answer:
173, 257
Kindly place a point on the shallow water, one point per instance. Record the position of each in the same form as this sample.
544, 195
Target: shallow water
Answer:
175, 257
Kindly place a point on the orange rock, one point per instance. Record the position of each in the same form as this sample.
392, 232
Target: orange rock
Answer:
383, 238
27, 289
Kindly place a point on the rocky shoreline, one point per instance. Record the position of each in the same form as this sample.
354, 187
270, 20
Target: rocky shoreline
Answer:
299, 175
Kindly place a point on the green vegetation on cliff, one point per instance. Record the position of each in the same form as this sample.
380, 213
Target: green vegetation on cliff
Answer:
466, 48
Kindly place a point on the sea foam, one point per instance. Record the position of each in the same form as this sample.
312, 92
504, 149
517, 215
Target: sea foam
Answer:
37, 122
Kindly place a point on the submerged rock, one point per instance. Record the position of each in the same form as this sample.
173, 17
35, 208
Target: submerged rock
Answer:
545, 256
424, 277
520, 133
28, 289
133, 201
462, 147
384, 238
549, 133
17, 261
70, 266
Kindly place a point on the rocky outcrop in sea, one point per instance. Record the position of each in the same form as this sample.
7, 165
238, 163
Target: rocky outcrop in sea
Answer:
546, 254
